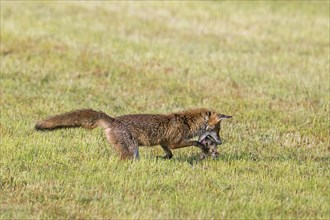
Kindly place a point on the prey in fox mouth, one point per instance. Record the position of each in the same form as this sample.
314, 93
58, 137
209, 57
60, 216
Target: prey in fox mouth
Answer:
212, 147
211, 139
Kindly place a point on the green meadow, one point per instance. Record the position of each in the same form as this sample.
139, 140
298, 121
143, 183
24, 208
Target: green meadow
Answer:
265, 63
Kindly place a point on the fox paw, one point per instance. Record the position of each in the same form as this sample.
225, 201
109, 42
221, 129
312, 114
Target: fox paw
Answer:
215, 155
166, 157
202, 156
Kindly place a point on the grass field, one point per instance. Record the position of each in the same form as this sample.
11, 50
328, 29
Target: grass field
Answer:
265, 63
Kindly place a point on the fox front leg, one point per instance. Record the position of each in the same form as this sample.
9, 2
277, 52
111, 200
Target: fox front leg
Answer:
168, 152
198, 144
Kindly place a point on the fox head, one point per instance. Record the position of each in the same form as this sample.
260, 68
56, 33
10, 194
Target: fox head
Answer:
212, 127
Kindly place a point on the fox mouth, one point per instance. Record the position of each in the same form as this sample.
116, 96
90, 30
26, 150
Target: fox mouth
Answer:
214, 140
211, 136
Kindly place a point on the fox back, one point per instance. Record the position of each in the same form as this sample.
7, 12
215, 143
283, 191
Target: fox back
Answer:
158, 129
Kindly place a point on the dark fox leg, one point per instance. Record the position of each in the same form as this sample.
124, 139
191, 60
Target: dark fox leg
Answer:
136, 154
190, 143
168, 152
201, 146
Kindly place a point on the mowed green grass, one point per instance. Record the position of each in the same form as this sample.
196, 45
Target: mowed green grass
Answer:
265, 63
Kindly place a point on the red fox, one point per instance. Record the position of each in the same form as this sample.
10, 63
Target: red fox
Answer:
126, 133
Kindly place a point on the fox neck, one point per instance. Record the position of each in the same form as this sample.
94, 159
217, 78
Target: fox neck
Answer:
197, 130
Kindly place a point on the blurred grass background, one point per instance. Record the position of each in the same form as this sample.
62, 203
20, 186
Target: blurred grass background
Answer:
265, 63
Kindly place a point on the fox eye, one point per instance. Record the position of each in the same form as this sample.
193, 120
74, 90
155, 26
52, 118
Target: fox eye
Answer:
209, 127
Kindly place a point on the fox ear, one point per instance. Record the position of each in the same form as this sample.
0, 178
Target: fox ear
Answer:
216, 118
221, 116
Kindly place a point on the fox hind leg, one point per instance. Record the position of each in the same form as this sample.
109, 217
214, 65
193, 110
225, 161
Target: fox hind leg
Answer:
127, 151
123, 143
136, 154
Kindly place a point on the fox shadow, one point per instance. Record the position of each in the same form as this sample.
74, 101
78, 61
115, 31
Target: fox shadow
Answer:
196, 157
248, 156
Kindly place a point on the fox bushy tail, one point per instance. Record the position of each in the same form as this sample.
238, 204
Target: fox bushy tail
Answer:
86, 118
